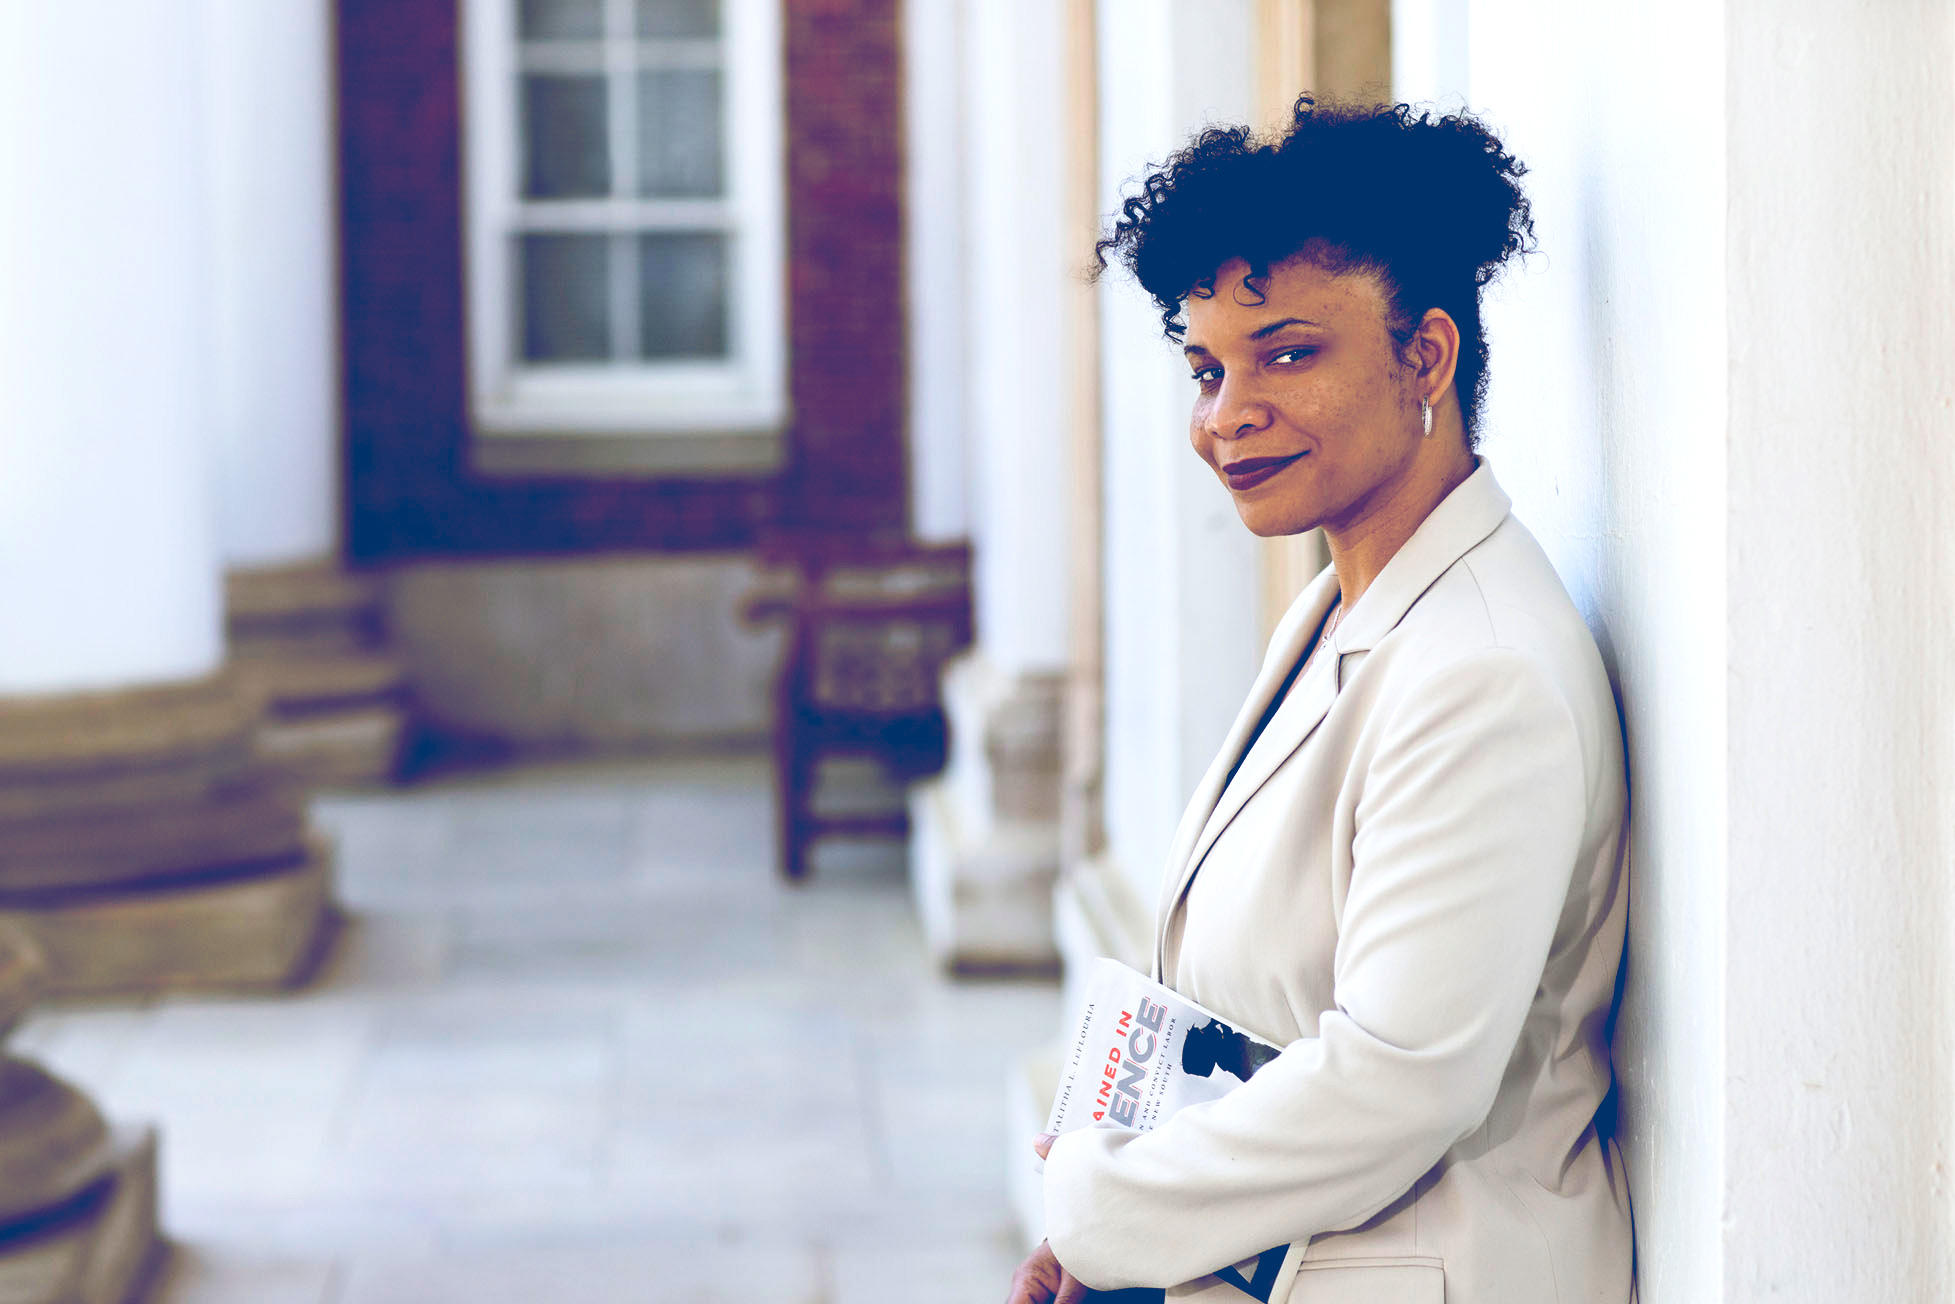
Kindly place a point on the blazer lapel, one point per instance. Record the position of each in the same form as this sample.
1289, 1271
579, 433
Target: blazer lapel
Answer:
1286, 646
1456, 526
1462, 519
1301, 712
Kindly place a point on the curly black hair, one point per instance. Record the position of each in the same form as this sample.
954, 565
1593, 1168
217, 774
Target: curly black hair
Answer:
1431, 205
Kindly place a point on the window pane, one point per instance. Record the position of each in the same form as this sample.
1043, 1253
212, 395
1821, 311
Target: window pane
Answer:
682, 294
678, 18
566, 137
679, 132
566, 297
562, 20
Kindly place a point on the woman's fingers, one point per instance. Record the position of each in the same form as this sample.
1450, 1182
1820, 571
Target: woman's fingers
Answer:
1039, 1280
1043, 1143
1071, 1289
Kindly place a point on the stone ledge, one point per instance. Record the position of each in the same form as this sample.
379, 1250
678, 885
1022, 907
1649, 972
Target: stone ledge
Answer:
355, 748
258, 821
270, 595
301, 684
80, 734
162, 781
256, 931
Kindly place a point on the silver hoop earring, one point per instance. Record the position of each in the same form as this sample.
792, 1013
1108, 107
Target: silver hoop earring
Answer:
1425, 417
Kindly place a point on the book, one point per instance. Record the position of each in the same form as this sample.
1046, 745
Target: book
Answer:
1142, 1051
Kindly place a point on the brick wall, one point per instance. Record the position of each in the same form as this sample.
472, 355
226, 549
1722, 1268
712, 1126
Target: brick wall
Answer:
409, 492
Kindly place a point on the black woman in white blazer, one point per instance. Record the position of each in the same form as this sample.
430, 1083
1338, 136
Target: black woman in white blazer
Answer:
1405, 865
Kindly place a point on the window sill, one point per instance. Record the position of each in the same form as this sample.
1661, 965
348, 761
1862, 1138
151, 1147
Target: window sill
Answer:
694, 454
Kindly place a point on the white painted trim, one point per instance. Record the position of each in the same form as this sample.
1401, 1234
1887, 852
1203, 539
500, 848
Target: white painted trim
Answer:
748, 392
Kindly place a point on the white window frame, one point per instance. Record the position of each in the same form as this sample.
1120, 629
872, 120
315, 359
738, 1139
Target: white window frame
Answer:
629, 415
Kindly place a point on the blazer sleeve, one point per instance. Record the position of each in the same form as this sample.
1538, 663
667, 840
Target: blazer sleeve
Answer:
1468, 826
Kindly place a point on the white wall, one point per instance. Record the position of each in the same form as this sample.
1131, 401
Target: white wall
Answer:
1605, 422
108, 563
1841, 260
274, 352
934, 160
1014, 299
1181, 571
1722, 397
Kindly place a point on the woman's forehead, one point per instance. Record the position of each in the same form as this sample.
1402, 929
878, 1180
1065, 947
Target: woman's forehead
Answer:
1242, 303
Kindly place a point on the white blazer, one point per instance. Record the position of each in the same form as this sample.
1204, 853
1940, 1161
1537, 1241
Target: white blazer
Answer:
1414, 884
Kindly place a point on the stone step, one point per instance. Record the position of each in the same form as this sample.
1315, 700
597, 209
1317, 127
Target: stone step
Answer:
301, 685
258, 821
75, 735
257, 597
161, 781
256, 931
337, 749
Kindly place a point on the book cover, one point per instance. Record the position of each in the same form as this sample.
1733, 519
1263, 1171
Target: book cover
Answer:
1142, 1051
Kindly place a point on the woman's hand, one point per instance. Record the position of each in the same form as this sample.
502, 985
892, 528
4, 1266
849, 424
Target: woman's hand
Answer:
1040, 1279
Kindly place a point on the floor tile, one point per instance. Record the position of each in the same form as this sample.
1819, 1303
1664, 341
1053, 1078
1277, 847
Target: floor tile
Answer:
578, 1041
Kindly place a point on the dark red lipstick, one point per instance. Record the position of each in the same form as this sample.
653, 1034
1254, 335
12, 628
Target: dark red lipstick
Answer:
1252, 471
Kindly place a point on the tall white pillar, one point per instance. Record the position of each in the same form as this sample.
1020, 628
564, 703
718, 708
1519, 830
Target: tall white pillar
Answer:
1180, 578
1721, 397
127, 769
108, 560
936, 228
268, 101
986, 849
306, 635
1181, 572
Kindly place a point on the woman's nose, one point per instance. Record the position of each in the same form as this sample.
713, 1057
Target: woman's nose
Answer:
1238, 411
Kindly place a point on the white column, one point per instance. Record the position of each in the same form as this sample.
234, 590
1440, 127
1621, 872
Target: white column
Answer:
274, 412
1839, 1110
108, 561
986, 850
1182, 640
1181, 577
935, 229
1606, 422
1014, 302
1721, 398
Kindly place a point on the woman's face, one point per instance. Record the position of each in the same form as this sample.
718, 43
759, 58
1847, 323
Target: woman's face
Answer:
1306, 411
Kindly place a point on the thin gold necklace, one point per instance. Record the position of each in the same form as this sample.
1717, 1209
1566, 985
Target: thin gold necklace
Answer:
1330, 623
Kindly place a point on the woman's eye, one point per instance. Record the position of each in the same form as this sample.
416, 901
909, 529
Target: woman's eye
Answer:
1293, 355
1208, 375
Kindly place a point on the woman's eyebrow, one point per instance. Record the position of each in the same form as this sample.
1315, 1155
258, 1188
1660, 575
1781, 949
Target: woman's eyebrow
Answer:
1264, 332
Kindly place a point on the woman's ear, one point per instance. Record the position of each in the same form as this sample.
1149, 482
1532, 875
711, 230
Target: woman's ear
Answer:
1435, 348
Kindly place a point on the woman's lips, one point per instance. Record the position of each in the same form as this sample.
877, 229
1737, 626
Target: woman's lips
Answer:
1252, 471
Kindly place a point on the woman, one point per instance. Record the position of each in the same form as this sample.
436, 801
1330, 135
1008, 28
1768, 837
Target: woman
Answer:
1404, 866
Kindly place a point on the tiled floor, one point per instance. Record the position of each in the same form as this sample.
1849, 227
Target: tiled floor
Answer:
579, 1044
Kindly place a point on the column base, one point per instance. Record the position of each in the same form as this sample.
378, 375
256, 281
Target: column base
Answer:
984, 846
101, 1248
310, 640
145, 844
266, 929
77, 1197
